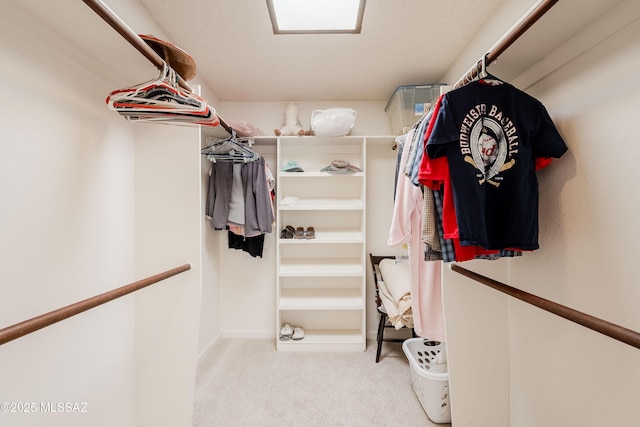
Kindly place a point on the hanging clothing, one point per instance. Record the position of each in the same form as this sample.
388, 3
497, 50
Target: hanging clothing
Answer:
419, 163
240, 193
236, 202
251, 245
430, 237
258, 212
447, 248
400, 143
417, 146
433, 250
426, 294
491, 135
219, 194
435, 174
239, 199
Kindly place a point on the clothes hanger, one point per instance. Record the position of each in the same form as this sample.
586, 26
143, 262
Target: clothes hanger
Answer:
162, 100
483, 75
231, 148
237, 154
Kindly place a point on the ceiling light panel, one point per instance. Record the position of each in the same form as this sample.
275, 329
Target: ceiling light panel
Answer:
316, 16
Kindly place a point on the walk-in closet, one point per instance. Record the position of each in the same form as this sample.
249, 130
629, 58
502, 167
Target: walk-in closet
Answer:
212, 219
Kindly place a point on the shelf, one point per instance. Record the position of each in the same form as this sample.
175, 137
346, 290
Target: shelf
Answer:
319, 174
321, 299
326, 340
324, 283
324, 204
327, 236
312, 139
265, 140
323, 268
221, 133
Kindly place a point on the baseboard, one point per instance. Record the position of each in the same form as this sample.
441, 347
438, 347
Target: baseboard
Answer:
209, 347
370, 337
249, 334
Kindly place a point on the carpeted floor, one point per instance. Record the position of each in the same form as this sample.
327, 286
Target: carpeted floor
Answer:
244, 382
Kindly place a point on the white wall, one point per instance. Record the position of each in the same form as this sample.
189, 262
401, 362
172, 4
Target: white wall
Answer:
67, 227
90, 203
168, 234
268, 116
549, 371
590, 263
210, 330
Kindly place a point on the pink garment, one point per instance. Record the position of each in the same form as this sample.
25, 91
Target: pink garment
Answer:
426, 292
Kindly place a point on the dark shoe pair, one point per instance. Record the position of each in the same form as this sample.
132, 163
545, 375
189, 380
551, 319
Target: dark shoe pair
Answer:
287, 232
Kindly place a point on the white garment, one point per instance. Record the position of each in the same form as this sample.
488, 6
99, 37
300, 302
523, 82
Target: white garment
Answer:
236, 205
426, 292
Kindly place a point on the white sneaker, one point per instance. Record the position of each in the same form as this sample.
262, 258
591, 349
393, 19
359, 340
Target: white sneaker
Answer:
286, 332
298, 333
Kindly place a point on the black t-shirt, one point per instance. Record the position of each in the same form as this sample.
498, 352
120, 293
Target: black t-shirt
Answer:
491, 135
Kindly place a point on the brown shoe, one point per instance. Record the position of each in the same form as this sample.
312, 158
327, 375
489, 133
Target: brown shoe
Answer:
299, 234
310, 233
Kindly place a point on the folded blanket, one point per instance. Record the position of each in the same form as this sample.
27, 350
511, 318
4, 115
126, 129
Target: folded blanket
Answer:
398, 317
394, 291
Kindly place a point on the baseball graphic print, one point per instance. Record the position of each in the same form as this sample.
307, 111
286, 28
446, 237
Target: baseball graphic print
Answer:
488, 141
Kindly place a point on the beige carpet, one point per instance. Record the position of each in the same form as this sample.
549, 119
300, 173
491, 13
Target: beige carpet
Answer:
248, 383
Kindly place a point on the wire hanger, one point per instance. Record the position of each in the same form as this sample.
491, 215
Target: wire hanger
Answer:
231, 149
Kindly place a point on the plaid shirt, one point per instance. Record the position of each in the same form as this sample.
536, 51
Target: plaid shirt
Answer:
448, 251
433, 250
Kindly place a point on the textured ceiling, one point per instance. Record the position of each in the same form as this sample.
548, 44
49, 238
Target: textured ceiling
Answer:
239, 57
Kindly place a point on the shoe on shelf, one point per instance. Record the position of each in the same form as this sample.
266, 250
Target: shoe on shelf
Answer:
310, 233
286, 332
298, 333
287, 232
299, 234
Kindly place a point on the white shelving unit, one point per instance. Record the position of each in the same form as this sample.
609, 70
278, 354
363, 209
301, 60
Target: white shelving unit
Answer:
321, 282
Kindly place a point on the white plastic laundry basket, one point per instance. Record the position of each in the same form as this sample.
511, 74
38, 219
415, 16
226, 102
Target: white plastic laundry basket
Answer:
429, 377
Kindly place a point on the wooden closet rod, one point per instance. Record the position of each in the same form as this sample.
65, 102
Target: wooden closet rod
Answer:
530, 18
110, 17
131, 36
609, 329
21, 329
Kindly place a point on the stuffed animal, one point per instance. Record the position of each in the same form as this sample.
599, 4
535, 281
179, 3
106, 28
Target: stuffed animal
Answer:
291, 122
